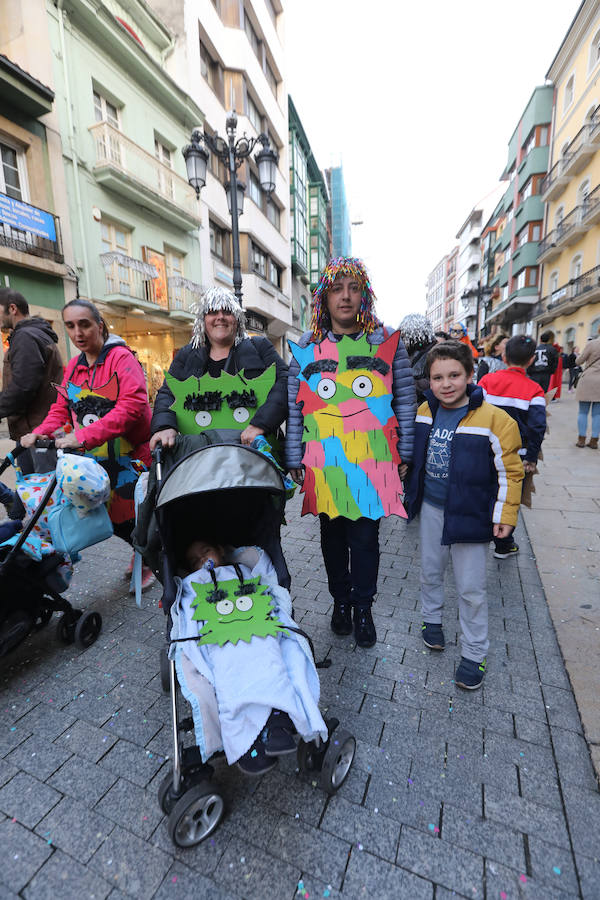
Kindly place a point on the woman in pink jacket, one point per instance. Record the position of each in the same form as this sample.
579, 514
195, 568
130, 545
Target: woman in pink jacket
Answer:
102, 407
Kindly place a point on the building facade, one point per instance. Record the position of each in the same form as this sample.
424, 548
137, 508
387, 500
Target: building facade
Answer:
35, 239
468, 266
511, 238
341, 234
134, 216
228, 55
570, 249
436, 294
309, 236
449, 290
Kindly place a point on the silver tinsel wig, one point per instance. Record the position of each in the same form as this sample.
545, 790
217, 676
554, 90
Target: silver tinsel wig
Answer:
416, 331
214, 300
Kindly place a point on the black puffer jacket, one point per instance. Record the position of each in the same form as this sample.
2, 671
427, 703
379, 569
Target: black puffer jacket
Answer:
253, 355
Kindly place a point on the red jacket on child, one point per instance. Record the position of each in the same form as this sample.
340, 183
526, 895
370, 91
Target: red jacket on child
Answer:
523, 399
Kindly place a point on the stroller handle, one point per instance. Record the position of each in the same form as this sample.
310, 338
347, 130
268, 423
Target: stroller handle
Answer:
7, 461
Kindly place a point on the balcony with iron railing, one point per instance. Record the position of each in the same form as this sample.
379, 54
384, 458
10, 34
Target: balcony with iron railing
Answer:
553, 183
576, 156
565, 232
569, 297
123, 166
135, 283
29, 229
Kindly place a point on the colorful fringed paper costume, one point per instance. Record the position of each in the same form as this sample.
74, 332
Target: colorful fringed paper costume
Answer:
87, 406
350, 430
226, 402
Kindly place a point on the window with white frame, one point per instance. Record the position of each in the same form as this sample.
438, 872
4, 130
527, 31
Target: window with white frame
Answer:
558, 217
532, 276
12, 172
509, 216
569, 93
507, 254
274, 214
116, 238
274, 274
553, 282
504, 293
219, 241
259, 261
576, 266
254, 189
271, 78
252, 36
521, 279
105, 111
594, 57
174, 262
594, 328
523, 236
166, 184
527, 190
583, 191
253, 113
544, 136
536, 232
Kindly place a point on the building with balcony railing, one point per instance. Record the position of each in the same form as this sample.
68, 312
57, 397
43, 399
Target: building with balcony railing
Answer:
570, 304
309, 235
135, 220
32, 190
512, 249
229, 55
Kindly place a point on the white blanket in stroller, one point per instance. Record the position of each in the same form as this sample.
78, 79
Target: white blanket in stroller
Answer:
233, 688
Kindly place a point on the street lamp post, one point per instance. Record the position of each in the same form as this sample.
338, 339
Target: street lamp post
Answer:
232, 153
483, 294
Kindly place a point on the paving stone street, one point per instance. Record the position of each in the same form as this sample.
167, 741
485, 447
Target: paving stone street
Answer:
489, 794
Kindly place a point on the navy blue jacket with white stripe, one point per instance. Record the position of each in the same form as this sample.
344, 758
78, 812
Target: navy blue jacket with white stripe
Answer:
485, 472
524, 400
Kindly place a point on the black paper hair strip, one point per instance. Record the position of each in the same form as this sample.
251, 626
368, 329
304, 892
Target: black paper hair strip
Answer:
244, 588
370, 363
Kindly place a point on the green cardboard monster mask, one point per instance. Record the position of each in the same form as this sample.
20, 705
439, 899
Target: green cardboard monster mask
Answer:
227, 402
234, 611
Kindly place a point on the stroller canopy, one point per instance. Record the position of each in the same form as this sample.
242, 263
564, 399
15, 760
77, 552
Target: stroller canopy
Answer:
220, 467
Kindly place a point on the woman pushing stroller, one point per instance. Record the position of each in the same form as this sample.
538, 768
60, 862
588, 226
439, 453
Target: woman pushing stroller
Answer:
102, 407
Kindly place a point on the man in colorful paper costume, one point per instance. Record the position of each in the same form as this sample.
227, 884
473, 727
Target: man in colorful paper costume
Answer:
221, 349
349, 438
249, 676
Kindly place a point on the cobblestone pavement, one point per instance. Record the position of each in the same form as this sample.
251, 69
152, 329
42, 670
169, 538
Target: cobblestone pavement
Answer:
488, 794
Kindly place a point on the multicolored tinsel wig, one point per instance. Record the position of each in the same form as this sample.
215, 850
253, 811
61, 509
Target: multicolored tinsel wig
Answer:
214, 300
343, 266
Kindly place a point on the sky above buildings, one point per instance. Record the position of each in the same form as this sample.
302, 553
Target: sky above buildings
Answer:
418, 102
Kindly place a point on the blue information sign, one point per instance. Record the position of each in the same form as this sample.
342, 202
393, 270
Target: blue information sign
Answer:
26, 218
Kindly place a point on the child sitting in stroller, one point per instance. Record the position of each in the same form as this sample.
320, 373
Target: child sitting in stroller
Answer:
248, 674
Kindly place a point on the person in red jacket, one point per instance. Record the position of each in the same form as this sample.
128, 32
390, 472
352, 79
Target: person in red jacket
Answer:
102, 407
523, 399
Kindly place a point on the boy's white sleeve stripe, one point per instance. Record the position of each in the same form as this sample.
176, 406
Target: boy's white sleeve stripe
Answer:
427, 419
508, 401
498, 462
538, 401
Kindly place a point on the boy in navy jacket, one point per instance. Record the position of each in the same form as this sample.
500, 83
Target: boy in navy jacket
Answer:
466, 483
523, 399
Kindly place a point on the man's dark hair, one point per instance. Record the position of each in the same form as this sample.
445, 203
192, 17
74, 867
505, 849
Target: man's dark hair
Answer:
443, 335
547, 337
519, 350
451, 350
8, 296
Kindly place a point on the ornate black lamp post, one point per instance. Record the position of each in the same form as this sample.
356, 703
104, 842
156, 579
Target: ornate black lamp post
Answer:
232, 153
484, 295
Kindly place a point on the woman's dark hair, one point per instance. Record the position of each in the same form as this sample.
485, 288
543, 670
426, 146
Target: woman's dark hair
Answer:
451, 350
547, 337
94, 311
519, 350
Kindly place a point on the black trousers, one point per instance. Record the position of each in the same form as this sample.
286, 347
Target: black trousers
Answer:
351, 556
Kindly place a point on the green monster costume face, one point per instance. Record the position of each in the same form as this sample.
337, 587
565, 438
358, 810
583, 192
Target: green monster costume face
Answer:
234, 611
226, 402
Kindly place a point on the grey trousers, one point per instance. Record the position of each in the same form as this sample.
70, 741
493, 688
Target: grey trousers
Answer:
469, 563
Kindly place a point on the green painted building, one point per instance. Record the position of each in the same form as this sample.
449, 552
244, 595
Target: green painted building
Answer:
134, 217
514, 231
309, 235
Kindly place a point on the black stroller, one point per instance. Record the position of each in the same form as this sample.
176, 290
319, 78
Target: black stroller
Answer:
30, 590
238, 490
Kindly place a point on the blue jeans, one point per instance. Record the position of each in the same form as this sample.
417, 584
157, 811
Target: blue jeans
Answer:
351, 556
584, 408
6, 495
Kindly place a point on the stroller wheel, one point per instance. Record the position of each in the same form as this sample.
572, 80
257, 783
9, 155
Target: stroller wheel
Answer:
309, 757
196, 815
165, 676
166, 799
65, 629
337, 760
87, 629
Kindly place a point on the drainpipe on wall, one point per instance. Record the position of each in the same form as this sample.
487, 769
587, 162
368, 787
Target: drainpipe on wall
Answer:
63, 50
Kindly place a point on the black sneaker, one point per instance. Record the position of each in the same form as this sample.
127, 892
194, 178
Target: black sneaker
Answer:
433, 636
469, 674
279, 741
341, 620
364, 627
255, 761
504, 554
